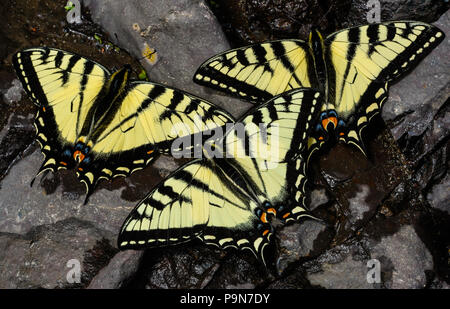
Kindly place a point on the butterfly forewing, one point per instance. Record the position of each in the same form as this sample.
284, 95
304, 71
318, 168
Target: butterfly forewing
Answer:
65, 87
261, 71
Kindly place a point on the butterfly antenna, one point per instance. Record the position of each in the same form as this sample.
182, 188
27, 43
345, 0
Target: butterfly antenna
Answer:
326, 13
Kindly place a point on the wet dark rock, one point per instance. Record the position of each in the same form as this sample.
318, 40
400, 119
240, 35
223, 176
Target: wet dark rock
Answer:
184, 33
166, 165
300, 240
33, 207
238, 273
248, 21
432, 167
255, 21
347, 274
43, 257
416, 102
185, 267
427, 11
360, 185
13, 92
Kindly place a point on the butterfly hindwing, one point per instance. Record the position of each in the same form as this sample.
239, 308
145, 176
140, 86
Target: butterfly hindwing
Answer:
196, 201
273, 151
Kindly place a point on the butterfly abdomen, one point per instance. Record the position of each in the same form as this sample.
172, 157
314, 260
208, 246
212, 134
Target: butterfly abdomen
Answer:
318, 48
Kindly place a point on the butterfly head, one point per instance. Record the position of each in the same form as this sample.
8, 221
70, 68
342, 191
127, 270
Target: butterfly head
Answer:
119, 79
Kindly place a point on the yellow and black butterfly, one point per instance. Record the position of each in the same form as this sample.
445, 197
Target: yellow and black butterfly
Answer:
100, 123
352, 68
256, 170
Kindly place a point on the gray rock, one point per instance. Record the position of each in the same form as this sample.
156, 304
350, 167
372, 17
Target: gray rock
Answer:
48, 256
119, 270
318, 198
439, 196
14, 93
405, 257
414, 101
357, 205
32, 207
363, 11
184, 33
296, 241
343, 267
348, 274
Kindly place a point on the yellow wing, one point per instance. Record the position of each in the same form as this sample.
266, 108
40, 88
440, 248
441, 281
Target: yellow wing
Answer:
196, 201
227, 200
261, 71
102, 124
361, 63
271, 150
149, 119
65, 87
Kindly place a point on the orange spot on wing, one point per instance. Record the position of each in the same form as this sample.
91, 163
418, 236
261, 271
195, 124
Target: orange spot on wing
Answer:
63, 163
320, 138
264, 217
272, 211
43, 108
150, 151
78, 156
342, 134
80, 169
286, 215
326, 121
265, 232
